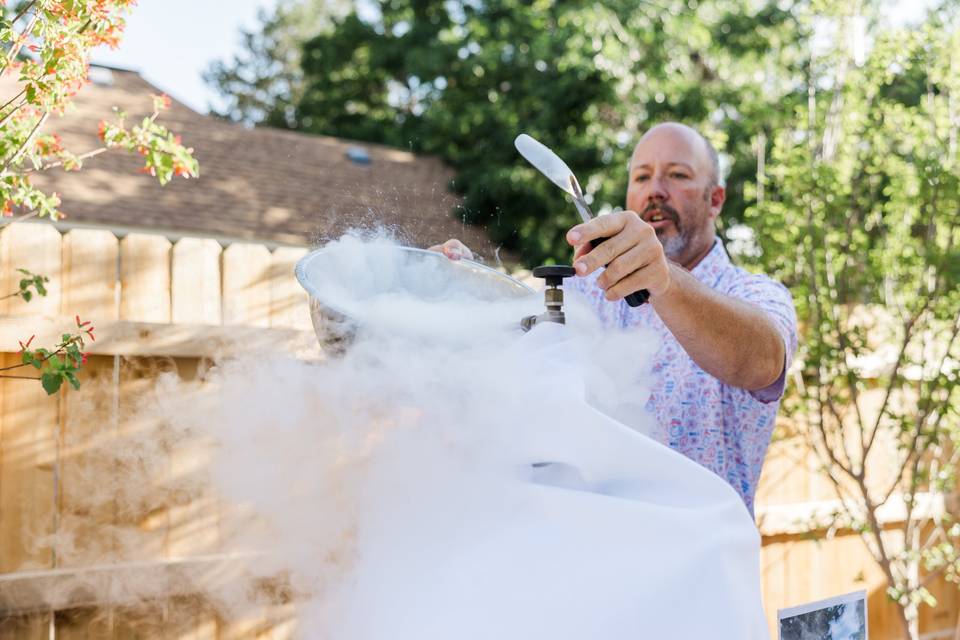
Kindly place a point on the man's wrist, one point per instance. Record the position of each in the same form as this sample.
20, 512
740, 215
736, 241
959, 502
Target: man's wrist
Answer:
666, 288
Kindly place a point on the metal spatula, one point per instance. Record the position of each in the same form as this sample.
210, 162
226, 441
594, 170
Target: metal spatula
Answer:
549, 164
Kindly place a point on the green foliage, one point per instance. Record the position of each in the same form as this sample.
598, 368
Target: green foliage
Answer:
46, 46
462, 79
261, 84
163, 155
38, 282
858, 211
60, 364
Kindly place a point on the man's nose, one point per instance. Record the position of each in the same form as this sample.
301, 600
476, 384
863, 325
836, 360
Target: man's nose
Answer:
658, 191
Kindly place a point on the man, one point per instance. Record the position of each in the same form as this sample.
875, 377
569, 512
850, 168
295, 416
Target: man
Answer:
727, 336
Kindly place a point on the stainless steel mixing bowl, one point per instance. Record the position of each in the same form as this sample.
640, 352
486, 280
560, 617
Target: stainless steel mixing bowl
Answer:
340, 279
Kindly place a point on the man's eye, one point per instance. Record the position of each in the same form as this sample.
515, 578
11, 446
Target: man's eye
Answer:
640, 178
678, 175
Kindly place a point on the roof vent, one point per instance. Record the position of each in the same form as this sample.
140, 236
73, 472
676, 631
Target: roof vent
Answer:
101, 76
358, 155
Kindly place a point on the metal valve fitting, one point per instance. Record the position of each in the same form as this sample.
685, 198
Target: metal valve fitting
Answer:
552, 295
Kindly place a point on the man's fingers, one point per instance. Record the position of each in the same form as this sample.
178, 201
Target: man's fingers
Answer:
581, 250
625, 286
453, 249
622, 231
600, 227
624, 268
603, 253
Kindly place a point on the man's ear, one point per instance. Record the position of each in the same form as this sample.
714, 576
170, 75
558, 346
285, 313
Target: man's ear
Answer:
718, 195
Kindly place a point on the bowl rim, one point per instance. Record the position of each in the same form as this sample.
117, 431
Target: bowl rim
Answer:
301, 272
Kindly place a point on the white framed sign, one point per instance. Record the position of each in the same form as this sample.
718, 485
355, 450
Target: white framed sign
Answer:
838, 618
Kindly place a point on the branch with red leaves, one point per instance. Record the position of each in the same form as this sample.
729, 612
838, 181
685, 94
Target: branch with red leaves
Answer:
57, 365
47, 44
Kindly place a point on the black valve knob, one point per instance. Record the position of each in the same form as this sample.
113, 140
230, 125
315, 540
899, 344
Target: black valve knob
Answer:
552, 295
553, 273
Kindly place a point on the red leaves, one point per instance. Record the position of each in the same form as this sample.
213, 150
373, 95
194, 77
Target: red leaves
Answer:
49, 145
82, 324
24, 347
161, 102
102, 130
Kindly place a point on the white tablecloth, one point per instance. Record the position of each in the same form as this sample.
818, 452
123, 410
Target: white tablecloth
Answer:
616, 537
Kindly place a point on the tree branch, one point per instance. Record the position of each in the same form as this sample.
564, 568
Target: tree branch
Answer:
19, 152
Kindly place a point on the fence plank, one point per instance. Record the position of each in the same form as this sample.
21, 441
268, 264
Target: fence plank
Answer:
196, 281
193, 514
193, 511
28, 429
773, 581
87, 498
289, 303
246, 285
145, 278
141, 461
90, 275
87, 468
28, 447
262, 622
32, 627
84, 624
37, 248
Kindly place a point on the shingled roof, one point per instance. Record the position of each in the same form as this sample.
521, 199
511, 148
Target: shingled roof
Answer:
255, 183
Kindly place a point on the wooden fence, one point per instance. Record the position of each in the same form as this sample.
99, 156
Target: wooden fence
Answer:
800, 565
168, 307
157, 307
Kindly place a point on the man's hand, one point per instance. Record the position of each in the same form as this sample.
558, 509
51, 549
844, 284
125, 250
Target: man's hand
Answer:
631, 253
453, 249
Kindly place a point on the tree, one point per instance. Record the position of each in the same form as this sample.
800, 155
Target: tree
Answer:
264, 81
47, 44
858, 210
462, 79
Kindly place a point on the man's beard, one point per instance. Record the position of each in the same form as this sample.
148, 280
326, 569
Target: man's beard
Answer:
674, 246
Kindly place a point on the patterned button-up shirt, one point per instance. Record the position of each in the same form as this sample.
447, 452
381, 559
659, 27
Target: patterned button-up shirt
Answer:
724, 428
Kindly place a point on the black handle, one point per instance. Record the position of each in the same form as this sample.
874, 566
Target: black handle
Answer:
636, 298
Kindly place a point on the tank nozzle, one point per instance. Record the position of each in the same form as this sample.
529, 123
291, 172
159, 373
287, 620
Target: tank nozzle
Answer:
553, 274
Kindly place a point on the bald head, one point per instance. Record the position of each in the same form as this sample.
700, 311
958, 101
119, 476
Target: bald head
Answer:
675, 187
675, 134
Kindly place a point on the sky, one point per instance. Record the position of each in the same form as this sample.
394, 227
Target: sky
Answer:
171, 42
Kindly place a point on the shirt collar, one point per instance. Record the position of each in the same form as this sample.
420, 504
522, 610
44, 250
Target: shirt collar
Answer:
712, 265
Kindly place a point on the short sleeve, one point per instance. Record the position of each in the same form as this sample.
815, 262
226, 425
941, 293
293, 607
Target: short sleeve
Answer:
775, 300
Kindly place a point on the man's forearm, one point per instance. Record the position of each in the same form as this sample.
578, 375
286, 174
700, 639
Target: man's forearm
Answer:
727, 338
